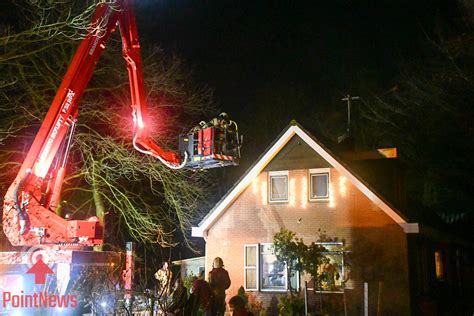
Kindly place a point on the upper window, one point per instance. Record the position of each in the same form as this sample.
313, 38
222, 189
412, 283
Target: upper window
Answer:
319, 184
278, 188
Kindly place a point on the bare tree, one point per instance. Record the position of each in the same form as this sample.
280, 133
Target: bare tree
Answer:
428, 115
106, 175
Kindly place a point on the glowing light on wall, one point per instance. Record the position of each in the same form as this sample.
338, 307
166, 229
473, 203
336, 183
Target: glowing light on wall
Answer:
332, 202
304, 192
255, 186
342, 186
263, 188
292, 197
439, 265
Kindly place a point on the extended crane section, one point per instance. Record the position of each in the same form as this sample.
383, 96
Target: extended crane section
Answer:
29, 211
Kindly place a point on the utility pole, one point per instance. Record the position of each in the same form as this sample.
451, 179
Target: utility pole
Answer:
349, 99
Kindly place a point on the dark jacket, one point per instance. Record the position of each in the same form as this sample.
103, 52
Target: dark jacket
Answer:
219, 281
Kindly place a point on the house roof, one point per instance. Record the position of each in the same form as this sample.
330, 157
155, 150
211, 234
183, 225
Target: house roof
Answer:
292, 130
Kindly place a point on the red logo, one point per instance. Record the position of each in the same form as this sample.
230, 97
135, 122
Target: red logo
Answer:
40, 269
14, 293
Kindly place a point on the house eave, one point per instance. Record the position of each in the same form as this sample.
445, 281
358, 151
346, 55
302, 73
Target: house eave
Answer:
254, 171
221, 206
197, 232
411, 228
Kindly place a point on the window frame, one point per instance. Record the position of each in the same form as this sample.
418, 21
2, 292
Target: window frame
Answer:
315, 172
276, 174
258, 271
339, 253
256, 268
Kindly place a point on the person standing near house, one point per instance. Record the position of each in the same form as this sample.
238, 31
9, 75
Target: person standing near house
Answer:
178, 298
164, 277
219, 281
200, 297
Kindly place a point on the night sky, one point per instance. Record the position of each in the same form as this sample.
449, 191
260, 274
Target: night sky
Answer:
237, 47
280, 60
273, 61
326, 49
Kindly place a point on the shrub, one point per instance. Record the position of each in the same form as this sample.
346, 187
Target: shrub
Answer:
291, 306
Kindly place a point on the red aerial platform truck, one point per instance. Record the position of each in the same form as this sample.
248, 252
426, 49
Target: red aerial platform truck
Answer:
29, 210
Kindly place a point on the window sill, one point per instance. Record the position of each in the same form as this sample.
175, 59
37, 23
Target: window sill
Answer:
327, 292
273, 291
324, 200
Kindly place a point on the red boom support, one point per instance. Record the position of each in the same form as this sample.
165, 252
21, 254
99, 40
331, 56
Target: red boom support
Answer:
29, 216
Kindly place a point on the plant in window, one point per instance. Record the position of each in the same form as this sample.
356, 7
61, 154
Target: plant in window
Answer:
328, 275
311, 261
316, 259
300, 257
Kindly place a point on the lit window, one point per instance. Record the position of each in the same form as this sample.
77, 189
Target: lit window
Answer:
251, 267
439, 265
273, 272
319, 184
263, 271
278, 188
332, 271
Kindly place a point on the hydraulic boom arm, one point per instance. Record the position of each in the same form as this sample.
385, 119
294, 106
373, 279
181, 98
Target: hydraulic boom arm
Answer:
29, 216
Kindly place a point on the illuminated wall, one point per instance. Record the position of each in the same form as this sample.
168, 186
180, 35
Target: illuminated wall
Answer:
347, 214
